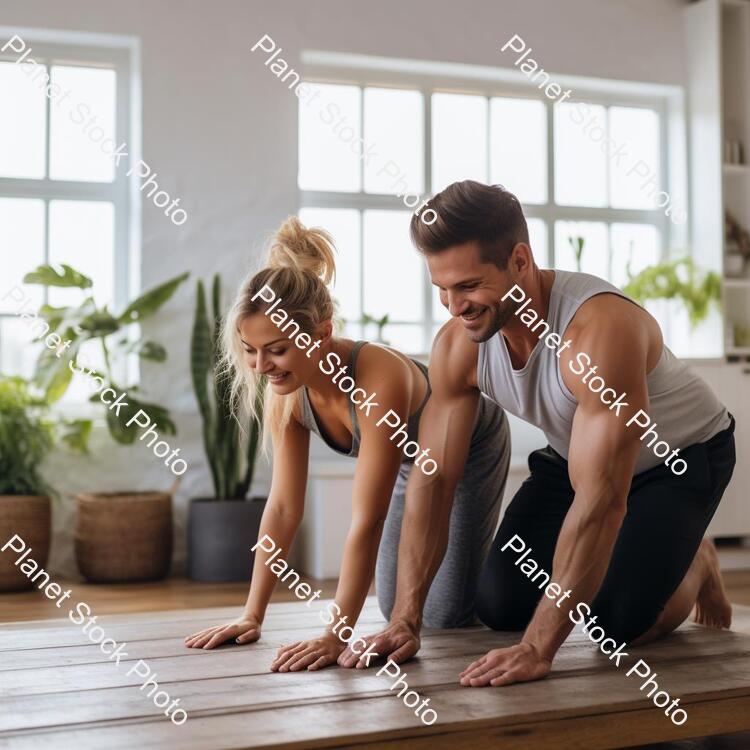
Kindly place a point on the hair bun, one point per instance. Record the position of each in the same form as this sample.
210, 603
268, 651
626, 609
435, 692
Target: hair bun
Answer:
310, 250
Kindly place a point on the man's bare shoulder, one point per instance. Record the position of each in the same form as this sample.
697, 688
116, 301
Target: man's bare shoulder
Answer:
453, 359
616, 320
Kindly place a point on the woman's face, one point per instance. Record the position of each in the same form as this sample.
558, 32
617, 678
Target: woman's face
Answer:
269, 352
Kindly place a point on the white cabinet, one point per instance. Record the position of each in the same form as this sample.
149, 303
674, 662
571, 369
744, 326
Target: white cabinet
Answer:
731, 383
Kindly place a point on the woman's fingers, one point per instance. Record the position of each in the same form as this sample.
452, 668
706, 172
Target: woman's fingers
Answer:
322, 661
301, 660
203, 638
222, 635
285, 653
195, 636
249, 636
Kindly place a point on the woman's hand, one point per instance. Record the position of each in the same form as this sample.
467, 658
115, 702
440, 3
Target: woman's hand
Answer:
243, 630
312, 654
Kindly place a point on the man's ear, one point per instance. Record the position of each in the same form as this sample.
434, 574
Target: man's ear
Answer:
520, 260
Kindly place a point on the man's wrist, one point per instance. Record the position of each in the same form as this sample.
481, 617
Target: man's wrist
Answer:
409, 617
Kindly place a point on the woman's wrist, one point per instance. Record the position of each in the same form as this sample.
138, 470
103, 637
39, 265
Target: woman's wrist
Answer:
250, 614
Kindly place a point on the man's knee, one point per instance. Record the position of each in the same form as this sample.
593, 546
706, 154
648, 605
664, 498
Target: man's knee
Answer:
504, 608
624, 618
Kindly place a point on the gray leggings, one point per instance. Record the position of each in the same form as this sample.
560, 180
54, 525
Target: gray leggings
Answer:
476, 506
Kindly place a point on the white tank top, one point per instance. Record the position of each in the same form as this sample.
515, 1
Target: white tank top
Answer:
683, 406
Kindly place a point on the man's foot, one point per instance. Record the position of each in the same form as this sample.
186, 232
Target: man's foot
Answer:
712, 607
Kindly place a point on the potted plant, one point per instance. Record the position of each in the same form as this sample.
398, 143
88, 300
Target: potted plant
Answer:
120, 536
677, 279
221, 529
380, 323
25, 439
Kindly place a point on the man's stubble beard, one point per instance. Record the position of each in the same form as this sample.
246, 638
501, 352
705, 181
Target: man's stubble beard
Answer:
500, 315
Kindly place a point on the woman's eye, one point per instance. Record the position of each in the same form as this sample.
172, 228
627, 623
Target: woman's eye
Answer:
278, 353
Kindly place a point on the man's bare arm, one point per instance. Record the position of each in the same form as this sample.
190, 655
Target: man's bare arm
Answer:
601, 461
445, 428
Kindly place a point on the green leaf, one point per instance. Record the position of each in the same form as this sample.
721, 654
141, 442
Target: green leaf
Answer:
201, 361
152, 351
53, 374
148, 303
62, 275
100, 323
76, 434
681, 280
122, 433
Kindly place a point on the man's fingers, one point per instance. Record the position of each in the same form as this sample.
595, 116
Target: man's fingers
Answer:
473, 666
350, 658
504, 679
347, 657
486, 677
404, 652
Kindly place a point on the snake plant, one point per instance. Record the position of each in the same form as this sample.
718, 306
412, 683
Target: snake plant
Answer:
231, 455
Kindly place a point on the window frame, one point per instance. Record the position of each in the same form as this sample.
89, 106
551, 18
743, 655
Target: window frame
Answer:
433, 77
120, 54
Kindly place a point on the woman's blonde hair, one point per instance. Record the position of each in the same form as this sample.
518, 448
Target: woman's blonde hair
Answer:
301, 263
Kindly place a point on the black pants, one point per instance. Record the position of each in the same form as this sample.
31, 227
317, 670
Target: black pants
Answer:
666, 518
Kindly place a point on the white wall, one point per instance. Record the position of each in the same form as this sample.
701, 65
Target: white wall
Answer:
220, 130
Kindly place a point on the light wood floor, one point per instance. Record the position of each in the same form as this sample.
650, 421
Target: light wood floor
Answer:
175, 593
59, 691
53, 666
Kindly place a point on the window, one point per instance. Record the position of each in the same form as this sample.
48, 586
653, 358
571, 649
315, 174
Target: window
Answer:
62, 198
362, 146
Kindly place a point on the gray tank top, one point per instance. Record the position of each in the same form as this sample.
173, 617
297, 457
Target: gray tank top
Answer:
683, 406
310, 421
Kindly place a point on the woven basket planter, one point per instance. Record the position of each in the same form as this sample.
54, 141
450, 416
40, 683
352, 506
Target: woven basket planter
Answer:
29, 516
123, 537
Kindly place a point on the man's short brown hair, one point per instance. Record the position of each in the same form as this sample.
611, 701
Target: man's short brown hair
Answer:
471, 211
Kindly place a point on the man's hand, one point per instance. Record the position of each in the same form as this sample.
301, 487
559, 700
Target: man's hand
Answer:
503, 666
313, 654
399, 642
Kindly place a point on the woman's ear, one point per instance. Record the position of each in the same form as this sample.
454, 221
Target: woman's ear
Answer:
324, 331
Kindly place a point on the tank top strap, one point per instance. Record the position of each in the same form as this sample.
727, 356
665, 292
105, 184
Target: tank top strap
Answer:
351, 369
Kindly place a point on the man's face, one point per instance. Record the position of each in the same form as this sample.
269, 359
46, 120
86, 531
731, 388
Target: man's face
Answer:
472, 290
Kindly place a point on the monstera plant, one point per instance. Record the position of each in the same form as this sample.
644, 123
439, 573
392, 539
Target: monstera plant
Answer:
115, 333
221, 529
125, 535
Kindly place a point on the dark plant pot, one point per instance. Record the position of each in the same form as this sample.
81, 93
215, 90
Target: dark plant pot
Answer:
220, 536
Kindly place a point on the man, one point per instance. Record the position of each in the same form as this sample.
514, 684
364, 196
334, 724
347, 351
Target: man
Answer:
615, 524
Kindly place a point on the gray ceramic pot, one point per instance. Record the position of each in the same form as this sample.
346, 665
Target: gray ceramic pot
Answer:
220, 536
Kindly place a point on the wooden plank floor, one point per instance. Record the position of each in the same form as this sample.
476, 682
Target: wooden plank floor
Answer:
57, 690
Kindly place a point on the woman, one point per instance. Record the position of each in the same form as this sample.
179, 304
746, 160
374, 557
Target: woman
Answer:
301, 397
